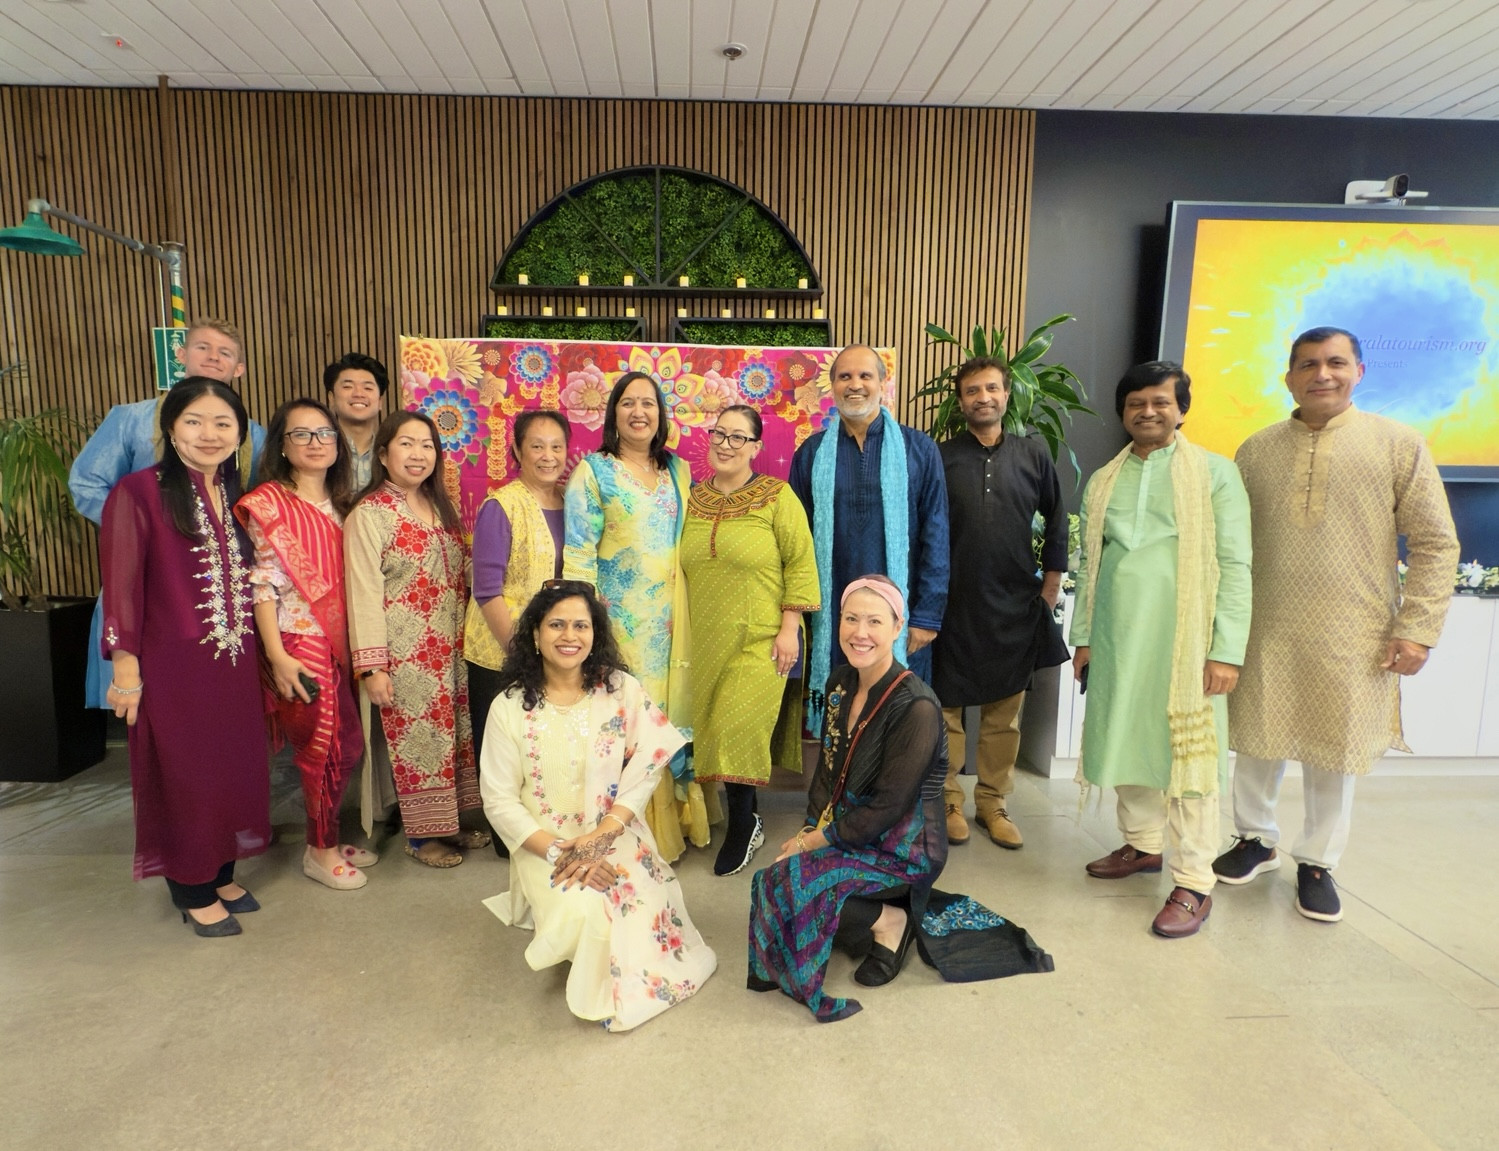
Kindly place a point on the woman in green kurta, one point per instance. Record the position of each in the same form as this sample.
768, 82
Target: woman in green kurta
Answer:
748, 558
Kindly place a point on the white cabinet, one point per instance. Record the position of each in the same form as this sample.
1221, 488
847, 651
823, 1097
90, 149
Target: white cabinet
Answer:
1450, 710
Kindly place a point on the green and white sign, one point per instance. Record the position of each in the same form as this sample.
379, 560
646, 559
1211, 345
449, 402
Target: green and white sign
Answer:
168, 345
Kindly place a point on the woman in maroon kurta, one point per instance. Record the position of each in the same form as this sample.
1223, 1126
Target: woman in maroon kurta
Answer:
177, 614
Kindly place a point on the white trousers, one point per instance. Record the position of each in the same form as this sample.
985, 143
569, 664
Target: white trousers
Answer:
1189, 827
1326, 795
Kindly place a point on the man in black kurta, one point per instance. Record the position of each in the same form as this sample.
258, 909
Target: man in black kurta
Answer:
999, 627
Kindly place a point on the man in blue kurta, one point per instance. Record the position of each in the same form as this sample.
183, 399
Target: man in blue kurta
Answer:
1161, 621
877, 502
129, 439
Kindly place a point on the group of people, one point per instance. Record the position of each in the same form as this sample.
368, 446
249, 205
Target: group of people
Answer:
609, 650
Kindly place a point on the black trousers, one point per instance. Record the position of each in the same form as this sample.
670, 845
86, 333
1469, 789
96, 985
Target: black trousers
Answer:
483, 686
187, 896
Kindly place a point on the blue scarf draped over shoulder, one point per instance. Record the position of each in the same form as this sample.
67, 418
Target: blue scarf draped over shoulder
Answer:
895, 504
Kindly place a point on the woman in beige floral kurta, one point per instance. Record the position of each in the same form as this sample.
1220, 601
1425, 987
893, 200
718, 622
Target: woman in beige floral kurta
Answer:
407, 586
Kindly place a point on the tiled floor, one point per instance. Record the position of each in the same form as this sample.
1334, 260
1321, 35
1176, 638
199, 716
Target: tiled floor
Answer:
403, 1016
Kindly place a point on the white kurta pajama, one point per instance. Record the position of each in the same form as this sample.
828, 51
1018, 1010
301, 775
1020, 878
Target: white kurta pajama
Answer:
634, 951
1327, 507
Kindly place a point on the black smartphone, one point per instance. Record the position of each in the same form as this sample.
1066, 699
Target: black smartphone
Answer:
309, 685
1082, 680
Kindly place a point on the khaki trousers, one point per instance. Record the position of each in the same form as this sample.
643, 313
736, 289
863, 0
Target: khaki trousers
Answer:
999, 745
1189, 827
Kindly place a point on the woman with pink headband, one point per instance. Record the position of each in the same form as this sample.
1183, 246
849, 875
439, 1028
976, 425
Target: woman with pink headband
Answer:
859, 873
875, 836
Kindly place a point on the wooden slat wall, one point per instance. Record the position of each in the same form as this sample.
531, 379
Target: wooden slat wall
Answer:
324, 222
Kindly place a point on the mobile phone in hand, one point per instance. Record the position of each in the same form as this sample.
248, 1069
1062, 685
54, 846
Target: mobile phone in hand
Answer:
309, 685
1082, 679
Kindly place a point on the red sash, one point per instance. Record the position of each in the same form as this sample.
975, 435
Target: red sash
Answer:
310, 547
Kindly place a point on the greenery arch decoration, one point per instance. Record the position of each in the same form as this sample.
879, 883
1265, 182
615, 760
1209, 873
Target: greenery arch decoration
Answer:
657, 224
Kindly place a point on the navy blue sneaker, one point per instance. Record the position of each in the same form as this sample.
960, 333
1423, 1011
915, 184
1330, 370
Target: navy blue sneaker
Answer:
1317, 894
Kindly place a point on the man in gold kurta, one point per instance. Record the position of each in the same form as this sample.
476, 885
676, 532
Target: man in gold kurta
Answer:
1330, 490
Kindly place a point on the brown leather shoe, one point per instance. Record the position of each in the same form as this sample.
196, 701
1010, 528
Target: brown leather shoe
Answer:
1000, 828
957, 826
1183, 915
1125, 861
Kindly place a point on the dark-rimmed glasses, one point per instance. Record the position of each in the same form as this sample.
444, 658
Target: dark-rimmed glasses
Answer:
735, 440
304, 436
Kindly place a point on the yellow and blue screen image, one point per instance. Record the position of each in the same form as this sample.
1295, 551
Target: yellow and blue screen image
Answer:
1422, 298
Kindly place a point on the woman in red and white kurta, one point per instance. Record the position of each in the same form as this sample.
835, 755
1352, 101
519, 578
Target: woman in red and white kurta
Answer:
407, 586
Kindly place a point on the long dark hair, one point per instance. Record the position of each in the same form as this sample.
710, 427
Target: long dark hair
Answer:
431, 487
178, 496
523, 667
274, 466
610, 446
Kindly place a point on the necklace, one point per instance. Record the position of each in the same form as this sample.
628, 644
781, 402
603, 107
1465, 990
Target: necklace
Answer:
558, 704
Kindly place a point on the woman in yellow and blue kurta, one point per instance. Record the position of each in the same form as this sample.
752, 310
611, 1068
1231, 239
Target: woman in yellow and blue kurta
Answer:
624, 509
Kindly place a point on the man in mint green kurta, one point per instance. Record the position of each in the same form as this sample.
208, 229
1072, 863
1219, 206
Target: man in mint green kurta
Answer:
1173, 546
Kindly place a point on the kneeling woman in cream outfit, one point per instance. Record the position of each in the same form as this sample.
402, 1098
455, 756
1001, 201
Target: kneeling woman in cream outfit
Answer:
573, 750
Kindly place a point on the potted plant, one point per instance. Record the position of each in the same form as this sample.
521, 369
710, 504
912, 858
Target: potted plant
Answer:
49, 733
1042, 396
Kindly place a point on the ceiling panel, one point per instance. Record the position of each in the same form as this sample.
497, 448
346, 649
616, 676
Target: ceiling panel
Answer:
1418, 58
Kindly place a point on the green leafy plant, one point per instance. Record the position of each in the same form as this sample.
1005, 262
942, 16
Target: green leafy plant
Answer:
602, 329
656, 224
1042, 396
756, 333
33, 494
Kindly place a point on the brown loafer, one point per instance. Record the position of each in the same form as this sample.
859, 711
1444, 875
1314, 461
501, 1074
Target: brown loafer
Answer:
1183, 915
957, 826
1125, 861
1001, 828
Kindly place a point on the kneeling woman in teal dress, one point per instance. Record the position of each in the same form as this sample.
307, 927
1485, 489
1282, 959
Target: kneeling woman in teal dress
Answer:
573, 751
859, 875
860, 872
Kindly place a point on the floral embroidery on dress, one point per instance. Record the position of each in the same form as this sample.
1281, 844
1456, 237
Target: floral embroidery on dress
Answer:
624, 898
227, 606
666, 927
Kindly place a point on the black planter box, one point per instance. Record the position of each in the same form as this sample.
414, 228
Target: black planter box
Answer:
46, 732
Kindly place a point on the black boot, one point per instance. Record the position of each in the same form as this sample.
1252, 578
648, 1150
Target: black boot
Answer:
745, 833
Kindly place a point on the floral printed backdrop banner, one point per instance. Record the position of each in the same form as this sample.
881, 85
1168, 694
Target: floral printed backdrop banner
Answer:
474, 389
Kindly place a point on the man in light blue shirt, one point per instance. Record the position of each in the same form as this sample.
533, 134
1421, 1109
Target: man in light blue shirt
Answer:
129, 439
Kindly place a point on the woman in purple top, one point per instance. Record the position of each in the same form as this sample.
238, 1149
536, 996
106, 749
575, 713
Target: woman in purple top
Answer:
517, 547
185, 676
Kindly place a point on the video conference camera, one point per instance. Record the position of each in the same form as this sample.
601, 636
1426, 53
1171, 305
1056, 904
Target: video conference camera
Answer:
1395, 190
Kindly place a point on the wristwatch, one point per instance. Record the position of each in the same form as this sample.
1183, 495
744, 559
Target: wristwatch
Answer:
554, 853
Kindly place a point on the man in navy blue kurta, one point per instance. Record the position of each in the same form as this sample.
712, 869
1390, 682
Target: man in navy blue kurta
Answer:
858, 546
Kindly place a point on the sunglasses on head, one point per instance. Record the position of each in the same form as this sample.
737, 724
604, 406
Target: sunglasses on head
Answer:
572, 585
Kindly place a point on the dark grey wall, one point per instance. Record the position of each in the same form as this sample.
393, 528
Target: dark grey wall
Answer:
1104, 180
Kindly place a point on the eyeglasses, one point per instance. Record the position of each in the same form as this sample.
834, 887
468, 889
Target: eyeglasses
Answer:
302, 436
572, 585
734, 439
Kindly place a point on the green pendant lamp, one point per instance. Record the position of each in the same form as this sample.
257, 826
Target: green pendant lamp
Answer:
35, 235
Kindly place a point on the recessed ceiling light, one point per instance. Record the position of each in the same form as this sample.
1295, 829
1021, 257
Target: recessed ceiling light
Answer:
732, 51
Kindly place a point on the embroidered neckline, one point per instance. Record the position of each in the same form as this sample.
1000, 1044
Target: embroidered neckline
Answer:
226, 607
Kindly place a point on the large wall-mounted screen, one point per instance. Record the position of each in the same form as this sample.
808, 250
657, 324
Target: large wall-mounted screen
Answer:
1419, 286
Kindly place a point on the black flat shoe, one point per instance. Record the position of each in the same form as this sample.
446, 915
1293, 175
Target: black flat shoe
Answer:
240, 906
755, 983
224, 927
882, 965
